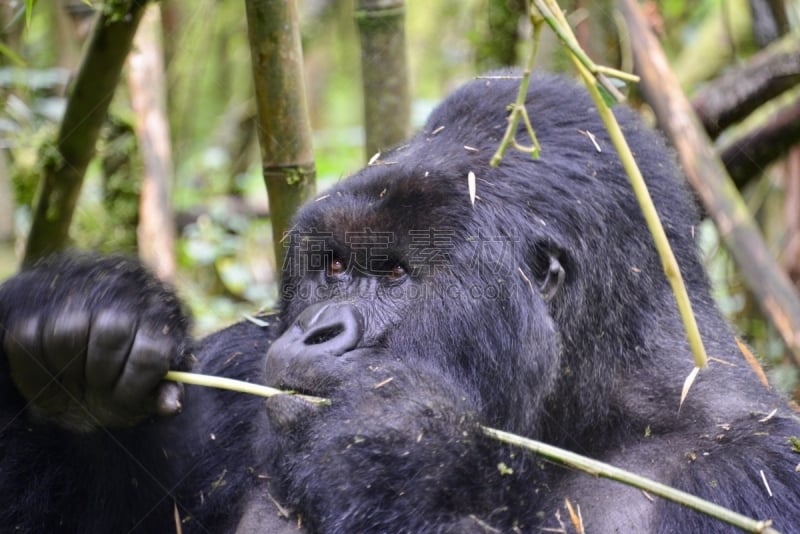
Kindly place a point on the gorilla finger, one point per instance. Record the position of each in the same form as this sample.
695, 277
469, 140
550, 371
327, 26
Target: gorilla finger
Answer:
111, 339
64, 342
147, 364
22, 346
22, 341
169, 398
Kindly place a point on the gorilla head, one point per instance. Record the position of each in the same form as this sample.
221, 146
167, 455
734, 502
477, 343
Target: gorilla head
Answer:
525, 293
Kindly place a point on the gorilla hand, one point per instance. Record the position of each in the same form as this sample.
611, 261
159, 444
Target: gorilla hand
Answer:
90, 341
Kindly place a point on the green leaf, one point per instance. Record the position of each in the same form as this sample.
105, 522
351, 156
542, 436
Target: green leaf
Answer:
15, 58
608, 99
29, 4
504, 469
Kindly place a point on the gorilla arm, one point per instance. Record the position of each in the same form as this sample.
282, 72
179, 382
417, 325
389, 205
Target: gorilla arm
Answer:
84, 344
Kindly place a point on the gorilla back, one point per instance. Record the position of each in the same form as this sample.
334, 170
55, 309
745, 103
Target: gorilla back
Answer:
540, 308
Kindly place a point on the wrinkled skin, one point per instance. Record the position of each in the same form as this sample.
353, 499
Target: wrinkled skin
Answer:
541, 309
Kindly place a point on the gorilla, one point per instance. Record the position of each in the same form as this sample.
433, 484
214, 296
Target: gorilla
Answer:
537, 305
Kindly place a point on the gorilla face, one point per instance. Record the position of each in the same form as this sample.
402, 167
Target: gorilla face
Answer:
522, 298
395, 266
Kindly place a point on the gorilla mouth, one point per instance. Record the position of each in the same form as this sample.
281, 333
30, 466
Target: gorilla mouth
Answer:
292, 390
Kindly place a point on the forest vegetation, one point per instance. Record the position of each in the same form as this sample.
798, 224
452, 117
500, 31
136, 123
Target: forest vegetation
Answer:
174, 171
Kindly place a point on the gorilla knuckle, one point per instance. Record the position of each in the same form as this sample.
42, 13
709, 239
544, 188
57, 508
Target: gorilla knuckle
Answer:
111, 329
23, 338
151, 353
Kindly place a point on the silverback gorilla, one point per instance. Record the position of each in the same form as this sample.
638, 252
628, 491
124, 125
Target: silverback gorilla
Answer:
541, 309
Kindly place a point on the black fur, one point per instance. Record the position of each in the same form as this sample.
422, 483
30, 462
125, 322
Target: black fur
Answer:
542, 309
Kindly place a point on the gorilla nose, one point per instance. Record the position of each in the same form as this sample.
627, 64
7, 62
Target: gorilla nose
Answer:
331, 328
305, 356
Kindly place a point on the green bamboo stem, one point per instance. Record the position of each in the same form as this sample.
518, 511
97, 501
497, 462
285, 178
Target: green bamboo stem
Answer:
230, 384
518, 109
610, 472
668, 261
568, 458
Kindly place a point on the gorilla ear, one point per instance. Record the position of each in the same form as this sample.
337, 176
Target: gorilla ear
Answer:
549, 273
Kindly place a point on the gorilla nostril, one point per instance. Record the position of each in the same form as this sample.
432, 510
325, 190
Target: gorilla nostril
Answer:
323, 335
330, 329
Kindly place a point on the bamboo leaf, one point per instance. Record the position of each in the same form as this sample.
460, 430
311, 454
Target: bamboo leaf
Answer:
29, 5
687, 385
12, 56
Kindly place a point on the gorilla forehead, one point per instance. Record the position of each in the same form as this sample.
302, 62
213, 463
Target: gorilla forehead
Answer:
387, 199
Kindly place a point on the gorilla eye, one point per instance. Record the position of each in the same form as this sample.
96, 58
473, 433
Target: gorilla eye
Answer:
396, 273
336, 267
